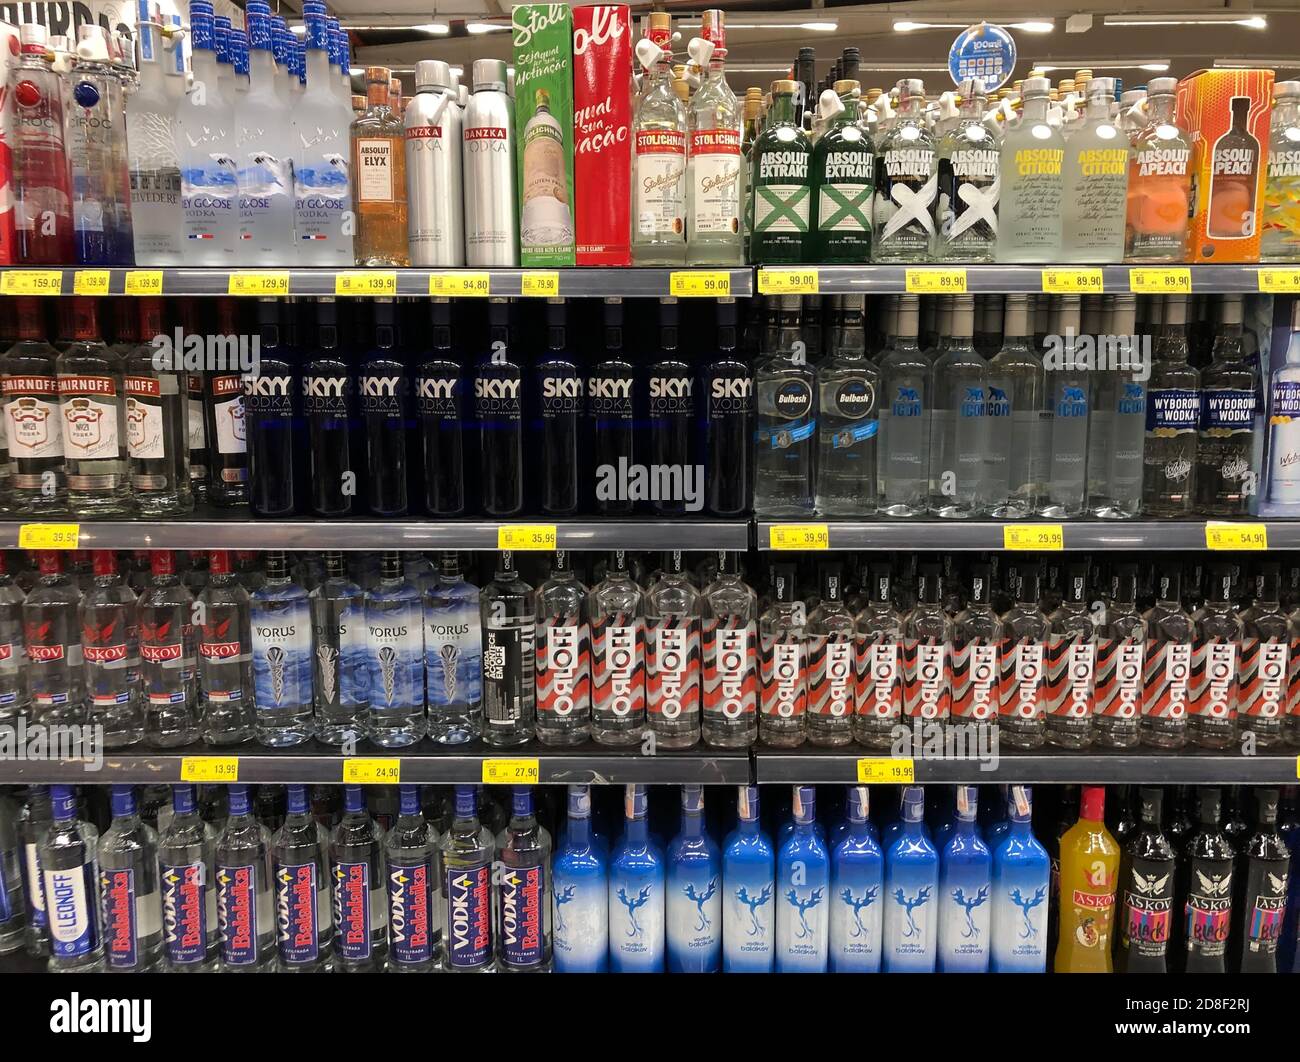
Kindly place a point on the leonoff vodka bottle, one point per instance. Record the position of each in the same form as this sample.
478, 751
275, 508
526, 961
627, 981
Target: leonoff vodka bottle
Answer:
803, 891
432, 124
186, 864
129, 905
714, 167
304, 926
1173, 418
694, 892
1021, 880
413, 892
110, 647
523, 902
729, 645
581, 891
509, 622
1261, 898
786, 425
1166, 689
1070, 660
70, 872
636, 892
905, 401
491, 229
1065, 410
356, 855
907, 183
843, 172
1029, 209
168, 664
856, 886
41, 179
848, 387
782, 659
157, 424
879, 692
340, 676
32, 421
1121, 648
245, 915
466, 851
563, 657
1022, 652
1265, 663
394, 657
616, 611
749, 887
282, 657
1096, 182
959, 424
780, 184
152, 140
453, 653
672, 611
1212, 718
209, 171
52, 636
14, 697
965, 888
1159, 181
1225, 478
831, 663
1016, 382
1119, 413
966, 211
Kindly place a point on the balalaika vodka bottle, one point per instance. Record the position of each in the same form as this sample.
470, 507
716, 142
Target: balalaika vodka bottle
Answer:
879, 692
581, 891
960, 424
563, 657
168, 664
491, 216
110, 647
509, 624
659, 154
523, 903
186, 863
965, 887
786, 428
129, 904
636, 892
432, 124
832, 663
905, 399
694, 897
729, 647
453, 654
843, 174
615, 608
857, 892
340, 677
157, 424
911, 887
414, 894
151, 141
394, 657
209, 180
714, 164
1021, 879
52, 637
1096, 182
1166, 689
282, 657
966, 212
1121, 647
304, 927
69, 870
1173, 418
749, 887
1029, 209
780, 184
782, 659
803, 874
673, 657
356, 853
848, 388
42, 187
466, 851
245, 913
907, 182
225, 655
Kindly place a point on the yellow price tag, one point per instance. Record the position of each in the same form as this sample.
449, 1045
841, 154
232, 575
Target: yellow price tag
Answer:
1282, 281
537, 284
799, 536
526, 536
210, 769
1236, 536
381, 283
32, 282
372, 772
936, 281
259, 283
1072, 281
788, 282
143, 282
700, 284
1033, 536
887, 770
460, 285
1142, 281
49, 536
511, 772
90, 282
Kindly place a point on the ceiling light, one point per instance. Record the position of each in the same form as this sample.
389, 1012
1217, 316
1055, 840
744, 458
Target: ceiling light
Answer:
1034, 26
1029, 26
436, 28
1155, 68
1208, 19
484, 27
1155, 65
820, 27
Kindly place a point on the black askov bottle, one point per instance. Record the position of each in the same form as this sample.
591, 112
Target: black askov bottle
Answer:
1261, 891
1208, 877
1146, 882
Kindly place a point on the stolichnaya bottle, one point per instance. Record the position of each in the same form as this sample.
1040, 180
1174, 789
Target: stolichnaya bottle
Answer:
659, 154
714, 165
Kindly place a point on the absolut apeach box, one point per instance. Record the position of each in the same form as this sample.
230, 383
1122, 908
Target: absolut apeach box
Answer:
602, 122
543, 48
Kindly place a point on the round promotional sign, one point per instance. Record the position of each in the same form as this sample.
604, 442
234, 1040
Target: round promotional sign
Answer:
983, 51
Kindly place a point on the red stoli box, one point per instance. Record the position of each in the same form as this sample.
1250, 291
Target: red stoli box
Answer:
602, 130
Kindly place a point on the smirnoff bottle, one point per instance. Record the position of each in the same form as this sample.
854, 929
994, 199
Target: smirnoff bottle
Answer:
157, 426
465, 858
33, 424
1208, 884
151, 140
1261, 898
1265, 661
225, 655
223, 412
491, 215
1225, 474
727, 408
1022, 660
1070, 659
780, 184
1121, 647
563, 657
282, 657
388, 417
168, 666
453, 649
1166, 692
559, 384
340, 678
304, 925
509, 621
129, 903
110, 647
843, 175
52, 634
69, 870
1146, 893
673, 657
41, 178
414, 893
782, 660
659, 154
394, 658
356, 855
1212, 715
245, 914
714, 165
616, 611
907, 183
831, 664
611, 413
498, 409
927, 671
729, 643
186, 865
432, 124
440, 397
879, 690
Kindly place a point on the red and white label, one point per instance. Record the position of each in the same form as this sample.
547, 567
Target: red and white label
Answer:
927, 691
975, 681
1118, 678
880, 680
1167, 690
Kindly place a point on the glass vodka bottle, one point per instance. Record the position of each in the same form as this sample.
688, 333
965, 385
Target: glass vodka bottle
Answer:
559, 377
843, 175
1265, 661
168, 664
34, 818
880, 665
1208, 857
975, 674
904, 449
508, 616
831, 663
1118, 408
129, 902
340, 676
15, 699
110, 647
786, 424
1166, 691
779, 185
1173, 418
693, 899
466, 853
959, 421
1159, 182
282, 657
394, 657
636, 892
13, 902
51, 615
69, 876
304, 926
966, 212
1119, 675
356, 855
1280, 231
414, 893
782, 664
714, 165
1029, 209
672, 620
728, 414
616, 610
1070, 659
42, 186
1261, 892
453, 654
848, 386
523, 902
563, 657
1022, 639
245, 915
1282, 444
225, 660
1016, 386
186, 869
581, 891
729, 644
157, 423
927, 638
1225, 473
1212, 720
32, 422
1096, 182
907, 183
151, 140
1065, 409
673, 424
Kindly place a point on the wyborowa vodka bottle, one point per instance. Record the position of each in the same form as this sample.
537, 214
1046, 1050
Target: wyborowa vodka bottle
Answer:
151, 141
1173, 417
453, 654
1029, 211
41, 180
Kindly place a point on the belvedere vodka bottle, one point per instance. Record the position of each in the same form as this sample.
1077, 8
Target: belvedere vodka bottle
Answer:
1065, 410
832, 663
581, 891
1095, 194
694, 899
414, 895
130, 910
523, 901
168, 656
848, 389
879, 692
1029, 208
508, 616
465, 855
911, 884
282, 657
780, 184
672, 612
563, 657
966, 211
803, 891
959, 424
394, 658
616, 610
904, 450
1212, 712
152, 140
110, 647
329, 403
786, 427
907, 182
186, 862
210, 191
1262, 891
245, 915
356, 854
69, 874
1021, 879
453, 654
727, 413
1173, 418
857, 887
1016, 383
843, 171
749, 887
636, 892
304, 927
225, 658
729, 646
440, 395
782, 659
965, 887
1146, 893
339, 661
1119, 416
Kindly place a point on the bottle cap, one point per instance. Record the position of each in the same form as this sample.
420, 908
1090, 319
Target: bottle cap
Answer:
967, 802
105, 561
122, 801
847, 88
489, 75
183, 799
466, 802
239, 801
378, 75
859, 804
693, 799
63, 801
784, 87
579, 802
634, 802
782, 579
747, 803
1281, 90
521, 801
297, 800
911, 86
913, 803
1034, 86
1152, 801
805, 804
162, 562
1092, 803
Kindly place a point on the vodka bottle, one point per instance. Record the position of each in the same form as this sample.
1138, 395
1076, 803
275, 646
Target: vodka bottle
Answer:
508, 617
1070, 660
329, 405
1065, 410
498, 409
780, 184
879, 693
803, 891
857, 883
433, 168
1159, 181
905, 382
225, 655
52, 635
304, 927
616, 610
465, 855
1021, 880
1146, 893
388, 414
636, 892
1016, 384
220, 45
15, 700
965, 888
611, 412
1030, 206
782, 660
911, 883
413, 891
186, 869
151, 140
394, 658
1121, 648
927, 671
488, 156
959, 421
907, 183
1166, 693
1118, 413
356, 855
966, 211
110, 647
523, 904
581, 891
1261, 896
563, 657
1096, 182
282, 657
559, 381
831, 664
786, 424
843, 171
975, 673
32, 422
672, 415
168, 664
69, 875
245, 915
453, 648
1225, 476
129, 904
340, 676
714, 167
1280, 231
749, 885
1022, 662
273, 398
157, 424
225, 425
727, 409
848, 387
1209, 891
729, 644
693, 908
33, 823
42, 187
1283, 442
1173, 419
1265, 661
1212, 714
659, 155
672, 610
441, 399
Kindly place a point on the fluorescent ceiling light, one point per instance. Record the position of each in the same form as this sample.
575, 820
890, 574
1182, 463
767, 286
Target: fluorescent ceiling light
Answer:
1154, 65
820, 27
484, 27
1208, 19
825, 26
436, 28
1029, 26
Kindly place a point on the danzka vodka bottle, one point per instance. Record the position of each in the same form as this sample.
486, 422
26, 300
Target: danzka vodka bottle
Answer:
42, 186
70, 873
168, 665
782, 660
857, 885
843, 172
356, 853
1265, 667
413, 892
304, 927
581, 891
673, 657
976, 679
786, 428
728, 652
1159, 181
52, 635
905, 390
879, 692
965, 887
1070, 659
727, 411
749, 885
659, 154
1096, 182
394, 657
32, 422
907, 183
130, 909
831, 664
432, 124
780, 184
714, 164
488, 155
1173, 418
245, 911
282, 657
14, 697
636, 892
563, 657
465, 852
1225, 476
960, 421
1212, 711
1029, 209
1022, 662
523, 902
440, 384
927, 673
209, 172
509, 656
186, 862
453, 654
693, 907
615, 608
1121, 646
110, 648
558, 382
803, 890
1166, 690
157, 424
1119, 415
340, 679
966, 211
152, 140
848, 387
225, 655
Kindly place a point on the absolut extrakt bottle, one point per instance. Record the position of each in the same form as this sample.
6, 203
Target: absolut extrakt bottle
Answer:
636, 892
69, 871
581, 891
282, 657
803, 873
563, 657
694, 892
729, 649
780, 184
304, 925
616, 610
857, 888
245, 910
129, 903
965, 888
356, 866
453, 654
509, 661
749, 885
843, 175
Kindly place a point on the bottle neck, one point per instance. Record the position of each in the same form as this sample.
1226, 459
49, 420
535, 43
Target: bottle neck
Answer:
782, 112
1034, 109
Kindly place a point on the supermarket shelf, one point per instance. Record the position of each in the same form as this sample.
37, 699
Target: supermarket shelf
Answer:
427, 764
811, 765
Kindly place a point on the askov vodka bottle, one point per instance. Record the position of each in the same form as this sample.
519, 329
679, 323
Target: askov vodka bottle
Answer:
1145, 893
282, 657
356, 855
1166, 692
907, 183
394, 657
509, 622
965, 888
413, 891
432, 124
340, 679
186, 864
491, 228
803, 891
782, 660
563, 657
1209, 856
245, 916
151, 141
832, 664
905, 400
52, 636
129, 902
111, 649
70, 873
1212, 715
41, 179
694, 892
857, 887
168, 668
729, 645
636, 892
225, 655
1029, 210
714, 165
615, 608
786, 425
466, 851
581, 891
453, 654
14, 697
304, 927
673, 657
1261, 898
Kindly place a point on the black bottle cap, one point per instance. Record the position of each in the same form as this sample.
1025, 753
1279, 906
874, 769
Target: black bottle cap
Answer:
929, 588
498, 313
449, 562
1220, 589
832, 581
1152, 804
440, 313
1027, 593
276, 564
385, 314
335, 566
1170, 585
1076, 583
390, 565
618, 561
728, 562
1266, 801
981, 584
1268, 582
782, 579
673, 561
1123, 583
1211, 805
882, 584
555, 314
560, 563
327, 313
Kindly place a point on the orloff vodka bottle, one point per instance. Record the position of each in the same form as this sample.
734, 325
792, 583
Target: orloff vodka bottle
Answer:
432, 125
563, 657
673, 657
729, 654
488, 140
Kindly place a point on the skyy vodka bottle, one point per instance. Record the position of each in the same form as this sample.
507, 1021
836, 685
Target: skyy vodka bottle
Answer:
466, 859
636, 892
186, 860
803, 891
857, 892
1021, 879
523, 900
340, 669
440, 389
151, 141
69, 875
749, 887
129, 903
394, 657
563, 657
615, 609
581, 891
728, 664
356, 854
509, 625
245, 915
453, 654
694, 896
304, 927
413, 892
282, 657
728, 413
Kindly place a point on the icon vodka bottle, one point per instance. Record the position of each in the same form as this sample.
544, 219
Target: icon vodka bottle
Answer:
41, 178
168, 663
1118, 410
413, 893
672, 612
959, 420
786, 427
356, 863
508, 617
186, 864
466, 853
879, 693
488, 157
498, 410
523, 902
694, 892
1261, 898
1146, 892
32, 421
843, 168
616, 610
1029, 209
1231, 210
52, 636
729, 646
245, 915
1225, 475
1280, 231
1159, 181
856, 892
304, 927
659, 155
1119, 670
110, 647
965, 887
727, 410
905, 381
926, 637
803, 884
209, 171
672, 412
1208, 914
394, 657
1021, 880
1065, 409
1173, 419
340, 675
831, 663
848, 387
1022, 640
282, 657
611, 412
557, 424
1212, 711
1166, 694
636, 892
782, 664
152, 140
1016, 385
1265, 661
70, 873
749, 889
581, 891
386, 410
907, 183
1096, 182
563, 657
440, 397
15, 699
129, 904
780, 184
453, 654
1070, 662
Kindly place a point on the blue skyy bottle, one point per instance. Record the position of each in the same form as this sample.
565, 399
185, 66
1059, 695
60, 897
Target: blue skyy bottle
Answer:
803, 888
580, 931
1021, 876
636, 893
694, 903
965, 881
749, 881
911, 887
857, 888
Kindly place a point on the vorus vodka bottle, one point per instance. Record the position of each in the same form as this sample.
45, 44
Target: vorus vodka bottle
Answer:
557, 427
1065, 410
1146, 890
959, 424
304, 927
694, 896
927, 634
1159, 181
1118, 409
672, 615
966, 210
110, 647
563, 657
282, 657
659, 155
1088, 881
1029, 209
51, 616
1265, 661
32, 421
782, 658
780, 184
152, 140
911, 888
727, 412
498, 410
749, 885
581, 891
168, 660
907, 182
440, 398
636, 892
1021, 879
1119, 674
491, 226
672, 417
786, 426
245, 913
843, 174
356, 855
207, 135
857, 892
965, 888
1261, 897
70, 873
387, 408
848, 390
413, 893
523, 902
1096, 182
1212, 714
432, 124
904, 450
1208, 887
129, 904
186, 862
803, 890
831, 663
729, 646
41, 178
1016, 384
329, 405
340, 675
1173, 419
1070, 664
714, 168
157, 423
508, 622
453, 654
466, 852
1225, 474
879, 693
616, 611
611, 414
1022, 661
394, 657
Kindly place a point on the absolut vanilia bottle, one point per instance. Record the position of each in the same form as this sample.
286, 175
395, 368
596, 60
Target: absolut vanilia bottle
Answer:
907, 183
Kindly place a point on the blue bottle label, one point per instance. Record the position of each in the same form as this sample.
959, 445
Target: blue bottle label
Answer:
1020, 921
237, 914
1286, 398
1225, 410
748, 923
282, 657
469, 915
410, 933
73, 928
6, 903
184, 905
694, 920
352, 910
117, 906
297, 919
453, 653
802, 941
909, 926
1131, 400
857, 915
1072, 401
523, 895
1174, 411
906, 401
34, 888
636, 929
965, 919
581, 930
395, 655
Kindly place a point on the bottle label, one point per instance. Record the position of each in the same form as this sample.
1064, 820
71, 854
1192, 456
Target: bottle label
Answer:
730, 681
715, 181
221, 656
731, 394
523, 899
673, 668
609, 394
438, 396
184, 907
1148, 906
34, 887
507, 673
32, 420
165, 652
321, 196
453, 653
282, 657
410, 932
563, 669
469, 915
118, 906
1262, 678
297, 918
1173, 411
927, 681
562, 390
395, 655
1158, 161
581, 934
1266, 910
844, 199
1024, 680
783, 680
1293, 679
339, 662
73, 926
237, 914
1119, 677
672, 394
1070, 661
1227, 412
830, 676
976, 680
780, 208
89, 405
1213, 692
1209, 907
617, 669
1283, 163
352, 911
326, 396
374, 182
228, 414
145, 439
545, 172
1167, 689
660, 200
1286, 398
969, 196
383, 396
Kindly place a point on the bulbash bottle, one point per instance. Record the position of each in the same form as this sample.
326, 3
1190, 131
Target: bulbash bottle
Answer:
848, 386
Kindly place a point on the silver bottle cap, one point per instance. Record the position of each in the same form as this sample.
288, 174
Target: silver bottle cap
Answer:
432, 73
970, 89
489, 74
1104, 86
1163, 86
1287, 89
911, 86
1035, 86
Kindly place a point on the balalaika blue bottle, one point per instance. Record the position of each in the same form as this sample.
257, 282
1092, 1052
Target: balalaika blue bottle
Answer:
857, 891
1021, 878
523, 906
413, 890
749, 882
911, 883
965, 884
579, 872
803, 886
636, 893
694, 904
